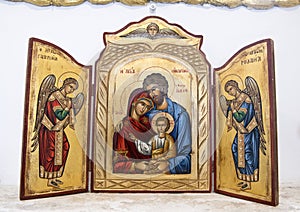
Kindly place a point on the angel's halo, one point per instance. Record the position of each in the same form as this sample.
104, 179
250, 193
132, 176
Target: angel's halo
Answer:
234, 77
74, 75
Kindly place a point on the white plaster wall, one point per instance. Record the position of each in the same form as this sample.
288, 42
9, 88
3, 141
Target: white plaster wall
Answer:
79, 30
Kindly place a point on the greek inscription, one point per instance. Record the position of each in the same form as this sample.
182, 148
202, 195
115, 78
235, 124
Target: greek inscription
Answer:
251, 60
256, 51
179, 71
180, 88
51, 54
47, 57
128, 71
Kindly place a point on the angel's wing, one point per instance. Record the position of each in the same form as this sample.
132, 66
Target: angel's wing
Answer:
140, 32
253, 91
46, 88
224, 103
169, 33
77, 103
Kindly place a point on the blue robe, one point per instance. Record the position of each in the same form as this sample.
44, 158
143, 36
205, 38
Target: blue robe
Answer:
245, 147
181, 164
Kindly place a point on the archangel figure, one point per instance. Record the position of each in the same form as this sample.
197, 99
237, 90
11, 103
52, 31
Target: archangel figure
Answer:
244, 114
55, 111
153, 32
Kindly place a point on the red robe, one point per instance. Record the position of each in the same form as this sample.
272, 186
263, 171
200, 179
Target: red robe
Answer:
125, 151
53, 142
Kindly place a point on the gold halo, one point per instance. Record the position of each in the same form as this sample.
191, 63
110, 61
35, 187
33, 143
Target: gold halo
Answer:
163, 114
133, 83
74, 75
235, 77
123, 93
164, 72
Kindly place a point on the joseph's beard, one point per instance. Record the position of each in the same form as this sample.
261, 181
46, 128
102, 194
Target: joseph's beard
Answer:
159, 99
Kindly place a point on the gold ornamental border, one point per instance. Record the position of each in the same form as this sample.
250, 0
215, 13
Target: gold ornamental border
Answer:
255, 4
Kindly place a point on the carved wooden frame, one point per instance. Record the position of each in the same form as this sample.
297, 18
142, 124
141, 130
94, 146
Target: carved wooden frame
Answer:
114, 53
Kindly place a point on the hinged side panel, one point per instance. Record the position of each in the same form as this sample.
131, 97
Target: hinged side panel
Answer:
245, 123
56, 123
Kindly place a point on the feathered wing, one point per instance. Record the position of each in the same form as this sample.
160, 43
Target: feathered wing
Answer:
46, 88
163, 33
140, 32
224, 103
169, 33
253, 91
77, 103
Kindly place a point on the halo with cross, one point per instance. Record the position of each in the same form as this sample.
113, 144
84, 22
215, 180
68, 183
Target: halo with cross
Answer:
166, 115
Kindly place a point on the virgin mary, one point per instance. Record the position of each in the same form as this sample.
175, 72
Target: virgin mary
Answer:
126, 157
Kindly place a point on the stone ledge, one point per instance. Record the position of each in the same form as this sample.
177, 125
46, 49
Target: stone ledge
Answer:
9, 201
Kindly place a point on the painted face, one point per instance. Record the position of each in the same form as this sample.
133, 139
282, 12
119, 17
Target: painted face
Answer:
155, 93
152, 30
142, 107
161, 126
231, 90
70, 88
